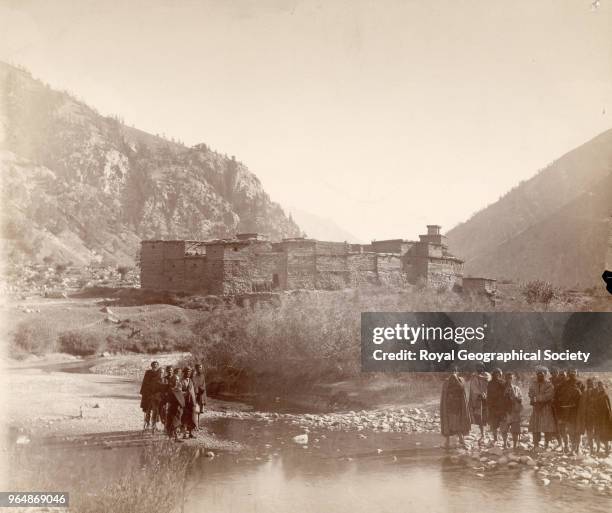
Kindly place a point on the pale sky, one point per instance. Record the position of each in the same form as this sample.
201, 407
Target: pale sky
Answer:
381, 115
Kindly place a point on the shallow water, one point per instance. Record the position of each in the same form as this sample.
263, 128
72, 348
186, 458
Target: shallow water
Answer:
336, 472
343, 473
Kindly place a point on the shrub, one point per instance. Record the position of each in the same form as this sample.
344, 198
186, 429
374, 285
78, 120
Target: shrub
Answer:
153, 481
307, 337
79, 343
160, 341
539, 291
33, 337
123, 271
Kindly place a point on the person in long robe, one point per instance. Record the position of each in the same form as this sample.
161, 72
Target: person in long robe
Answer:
176, 405
199, 385
163, 408
566, 403
541, 395
189, 417
603, 418
478, 399
513, 400
454, 412
150, 391
585, 419
496, 403
557, 378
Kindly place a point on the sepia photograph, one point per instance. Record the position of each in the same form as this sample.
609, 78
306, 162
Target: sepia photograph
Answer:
304, 256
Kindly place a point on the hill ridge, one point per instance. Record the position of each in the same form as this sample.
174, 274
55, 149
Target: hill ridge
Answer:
101, 186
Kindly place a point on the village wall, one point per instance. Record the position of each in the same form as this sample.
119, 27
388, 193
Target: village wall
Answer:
390, 270
480, 286
250, 263
444, 272
363, 269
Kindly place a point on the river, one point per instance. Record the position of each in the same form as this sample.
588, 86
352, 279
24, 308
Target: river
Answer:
338, 472
335, 472
343, 473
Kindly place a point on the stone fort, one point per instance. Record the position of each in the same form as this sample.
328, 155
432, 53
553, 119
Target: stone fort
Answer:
251, 263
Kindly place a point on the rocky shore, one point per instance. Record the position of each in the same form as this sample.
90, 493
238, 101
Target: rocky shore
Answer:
549, 467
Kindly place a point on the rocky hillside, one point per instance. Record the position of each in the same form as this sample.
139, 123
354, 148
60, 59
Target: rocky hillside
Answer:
554, 226
80, 187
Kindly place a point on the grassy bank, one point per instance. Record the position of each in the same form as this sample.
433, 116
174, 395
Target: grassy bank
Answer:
156, 483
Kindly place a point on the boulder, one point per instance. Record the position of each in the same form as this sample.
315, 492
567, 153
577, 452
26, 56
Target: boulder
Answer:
495, 451
301, 439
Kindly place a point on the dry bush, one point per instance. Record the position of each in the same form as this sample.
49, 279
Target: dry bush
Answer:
310, 336
33, 337
80, 343
539, 291
150, 342
156, 484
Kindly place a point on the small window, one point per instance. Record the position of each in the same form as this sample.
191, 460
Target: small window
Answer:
235, 248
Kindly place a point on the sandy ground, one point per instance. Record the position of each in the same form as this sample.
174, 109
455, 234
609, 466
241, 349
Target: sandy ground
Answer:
42, 404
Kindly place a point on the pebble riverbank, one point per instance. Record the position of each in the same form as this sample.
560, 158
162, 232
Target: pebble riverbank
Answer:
552, 466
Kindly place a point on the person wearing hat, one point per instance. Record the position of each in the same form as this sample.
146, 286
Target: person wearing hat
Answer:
199, 385
478, 398
175, 408
602, 417
557, 378
189, 417
496, 403
541, 395
163, 408
513, 399
585, 420
151, 391
567, 400
454, 412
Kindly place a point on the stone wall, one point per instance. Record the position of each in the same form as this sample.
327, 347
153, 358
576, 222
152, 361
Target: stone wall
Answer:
252, 264
243, 267
332, 272
400, 246
196, 274
158, 267
363, 269
479, 286
390, 270
300, 267
444, 272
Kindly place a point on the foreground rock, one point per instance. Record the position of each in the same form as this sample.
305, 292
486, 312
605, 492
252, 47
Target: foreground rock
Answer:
401, 420
549, 467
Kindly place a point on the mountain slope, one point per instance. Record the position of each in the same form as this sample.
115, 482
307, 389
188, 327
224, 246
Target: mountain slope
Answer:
321, 228
77, 181
554, 226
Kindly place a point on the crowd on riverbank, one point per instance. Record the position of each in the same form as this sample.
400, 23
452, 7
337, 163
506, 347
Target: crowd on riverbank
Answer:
175, 397
564, 409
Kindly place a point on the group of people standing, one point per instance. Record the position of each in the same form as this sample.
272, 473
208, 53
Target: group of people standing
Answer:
563, 408
174, 396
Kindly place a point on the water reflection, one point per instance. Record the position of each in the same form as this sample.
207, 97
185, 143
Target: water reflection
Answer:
424, 480
337, 473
